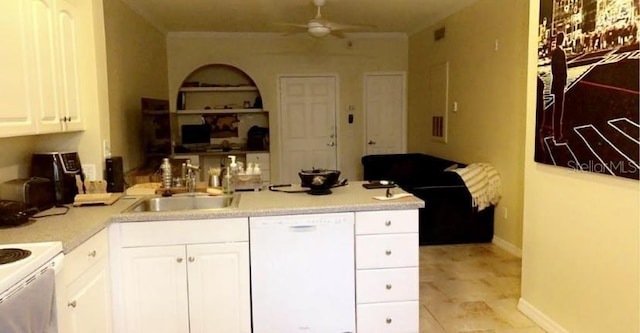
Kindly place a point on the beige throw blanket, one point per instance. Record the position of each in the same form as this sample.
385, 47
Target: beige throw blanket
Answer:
483, 182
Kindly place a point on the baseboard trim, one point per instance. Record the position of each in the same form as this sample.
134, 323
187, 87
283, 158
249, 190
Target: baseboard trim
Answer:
503, 244
539, 318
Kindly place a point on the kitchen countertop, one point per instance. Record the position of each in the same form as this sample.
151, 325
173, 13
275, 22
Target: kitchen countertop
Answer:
80, 223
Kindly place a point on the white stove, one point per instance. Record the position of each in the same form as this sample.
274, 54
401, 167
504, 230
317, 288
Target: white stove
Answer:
17, 274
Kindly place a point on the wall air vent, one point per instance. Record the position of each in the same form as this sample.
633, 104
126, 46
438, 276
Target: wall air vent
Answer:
438, 34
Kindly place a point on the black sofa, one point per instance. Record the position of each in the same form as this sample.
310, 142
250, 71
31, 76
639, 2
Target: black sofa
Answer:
448, 216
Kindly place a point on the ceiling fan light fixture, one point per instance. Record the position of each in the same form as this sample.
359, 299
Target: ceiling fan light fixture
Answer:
318, 31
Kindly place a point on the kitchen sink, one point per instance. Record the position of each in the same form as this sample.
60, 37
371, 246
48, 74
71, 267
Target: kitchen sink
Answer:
186, 201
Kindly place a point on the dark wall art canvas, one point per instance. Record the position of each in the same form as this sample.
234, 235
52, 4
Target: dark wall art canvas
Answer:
588, 81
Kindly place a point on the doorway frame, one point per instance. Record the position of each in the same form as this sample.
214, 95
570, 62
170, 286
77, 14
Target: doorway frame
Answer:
403, 74
336, 77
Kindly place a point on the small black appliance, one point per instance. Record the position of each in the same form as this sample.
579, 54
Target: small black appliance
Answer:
61, 168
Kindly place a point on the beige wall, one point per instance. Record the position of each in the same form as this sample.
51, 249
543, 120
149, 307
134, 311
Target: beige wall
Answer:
581, 240
489, 87
265, 57
137, 67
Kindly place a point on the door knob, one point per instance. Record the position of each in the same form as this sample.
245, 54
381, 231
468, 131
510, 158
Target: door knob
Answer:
331, 144
371, 142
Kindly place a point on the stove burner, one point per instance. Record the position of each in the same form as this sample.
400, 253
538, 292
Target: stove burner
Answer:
11, 255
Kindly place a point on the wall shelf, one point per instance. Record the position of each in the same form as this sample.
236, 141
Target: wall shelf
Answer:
218, 89
218, 111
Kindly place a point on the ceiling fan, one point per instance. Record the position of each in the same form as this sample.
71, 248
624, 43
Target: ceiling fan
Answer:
320, 27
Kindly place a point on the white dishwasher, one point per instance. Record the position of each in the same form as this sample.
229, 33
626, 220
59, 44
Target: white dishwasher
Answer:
302, 273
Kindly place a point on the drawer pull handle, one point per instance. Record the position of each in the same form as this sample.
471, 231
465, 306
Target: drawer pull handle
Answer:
388, 286
179, 260
72, 304
192, 259
388, 320
93, 253
387, 252
387, 223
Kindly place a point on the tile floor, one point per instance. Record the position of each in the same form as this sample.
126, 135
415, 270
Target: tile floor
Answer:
470, 288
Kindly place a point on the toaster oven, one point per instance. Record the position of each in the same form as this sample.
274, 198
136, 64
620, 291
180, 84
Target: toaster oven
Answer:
34, 192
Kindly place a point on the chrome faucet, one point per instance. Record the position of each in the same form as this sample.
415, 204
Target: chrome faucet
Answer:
192, 177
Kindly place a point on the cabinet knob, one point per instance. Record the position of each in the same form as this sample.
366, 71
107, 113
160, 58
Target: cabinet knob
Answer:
192, 259
179, 260
388, 320
387, 223
387, 252
371, 142
93, 253
72, 304
388, 286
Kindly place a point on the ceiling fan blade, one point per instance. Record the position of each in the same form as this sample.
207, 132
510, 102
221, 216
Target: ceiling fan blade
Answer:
304, 26
338, 26
337, 33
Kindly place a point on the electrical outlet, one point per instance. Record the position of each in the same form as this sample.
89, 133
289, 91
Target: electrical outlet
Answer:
89, 171
106, 148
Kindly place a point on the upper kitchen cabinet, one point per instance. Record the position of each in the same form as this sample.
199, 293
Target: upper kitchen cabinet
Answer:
41, 86
16, 114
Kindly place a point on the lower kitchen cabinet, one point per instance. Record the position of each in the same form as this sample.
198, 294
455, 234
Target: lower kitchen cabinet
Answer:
200, 285
387, 278
155, 289
193, 288
85, 301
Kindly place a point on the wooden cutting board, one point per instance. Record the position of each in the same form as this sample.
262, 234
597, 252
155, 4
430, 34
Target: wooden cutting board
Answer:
143, 189
96, 199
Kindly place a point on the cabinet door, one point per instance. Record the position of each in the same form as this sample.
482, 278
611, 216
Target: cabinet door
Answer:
45, 85
219, 298
15, 65
155, 285
89, 302
66, 25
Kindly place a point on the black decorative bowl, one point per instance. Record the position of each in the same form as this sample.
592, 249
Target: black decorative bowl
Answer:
320, 181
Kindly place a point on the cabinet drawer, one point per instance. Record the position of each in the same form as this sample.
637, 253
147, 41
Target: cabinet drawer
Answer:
387, 285
159, 233
85, 255
396, 317
261, 158
386, 222
387, 251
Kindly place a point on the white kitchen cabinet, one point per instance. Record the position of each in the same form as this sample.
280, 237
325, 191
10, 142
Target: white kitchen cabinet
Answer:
155, 287
218, 276
67, 80
387, 278
85, 301
40, 81
16, 66
183, 276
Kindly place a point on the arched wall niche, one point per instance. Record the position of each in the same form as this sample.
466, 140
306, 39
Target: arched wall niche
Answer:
221, 75
224, 97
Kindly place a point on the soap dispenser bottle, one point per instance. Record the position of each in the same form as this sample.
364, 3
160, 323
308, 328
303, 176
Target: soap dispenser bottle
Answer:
229, 186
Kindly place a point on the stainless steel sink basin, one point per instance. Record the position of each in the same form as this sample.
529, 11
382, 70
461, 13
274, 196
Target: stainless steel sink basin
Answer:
185, 202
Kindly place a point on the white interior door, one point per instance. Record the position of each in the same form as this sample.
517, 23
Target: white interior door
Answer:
385, 113
307, 125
